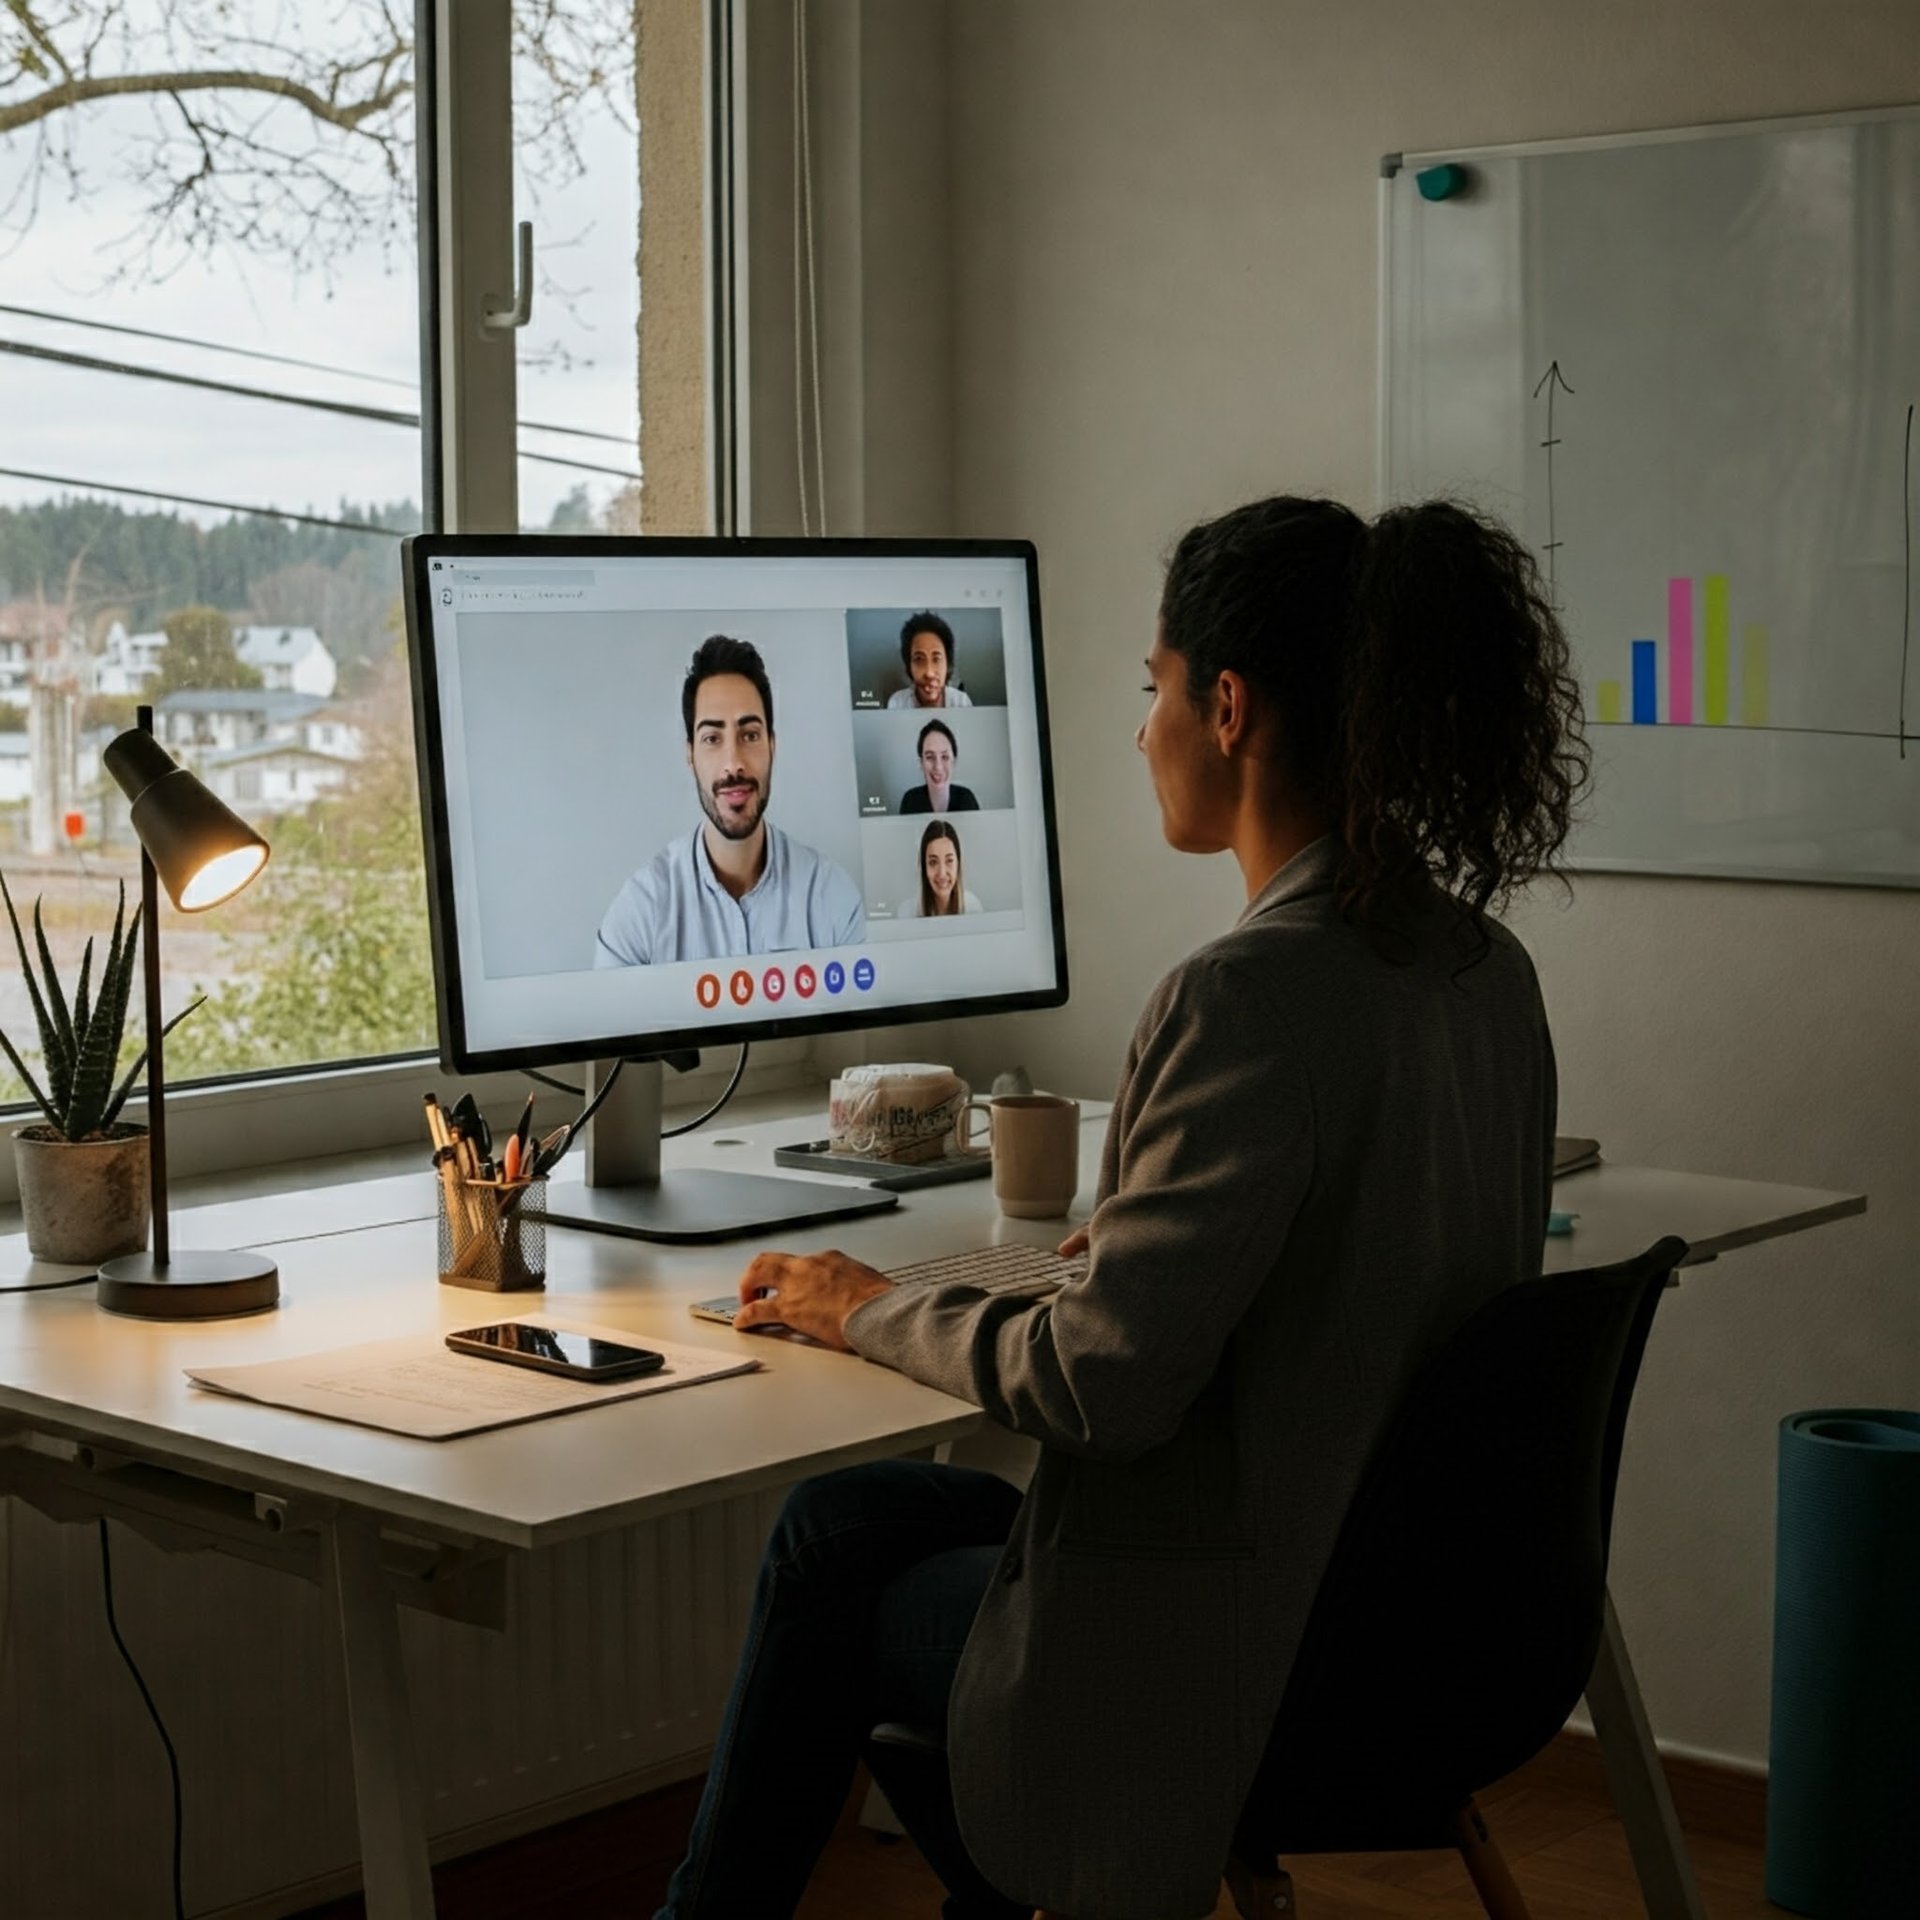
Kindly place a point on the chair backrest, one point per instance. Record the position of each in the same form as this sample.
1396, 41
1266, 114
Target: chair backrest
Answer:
1460, 1614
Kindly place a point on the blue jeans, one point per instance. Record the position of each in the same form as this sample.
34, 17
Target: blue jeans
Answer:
868, 1586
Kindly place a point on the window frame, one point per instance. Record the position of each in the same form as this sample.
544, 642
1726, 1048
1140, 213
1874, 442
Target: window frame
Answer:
469, 483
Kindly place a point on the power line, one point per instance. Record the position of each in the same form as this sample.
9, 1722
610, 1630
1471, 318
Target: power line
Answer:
280, 360
195, 500
383, 416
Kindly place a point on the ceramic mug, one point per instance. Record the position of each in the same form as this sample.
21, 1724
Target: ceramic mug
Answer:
1035, 1142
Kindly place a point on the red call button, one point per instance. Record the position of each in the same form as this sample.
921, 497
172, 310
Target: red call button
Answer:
742, 984
773, 983
804, 981
707, 990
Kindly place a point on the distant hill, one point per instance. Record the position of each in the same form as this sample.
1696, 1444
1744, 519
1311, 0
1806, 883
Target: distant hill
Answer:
141, 566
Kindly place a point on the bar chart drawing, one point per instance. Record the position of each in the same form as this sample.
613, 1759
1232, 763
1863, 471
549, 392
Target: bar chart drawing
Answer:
1717, 675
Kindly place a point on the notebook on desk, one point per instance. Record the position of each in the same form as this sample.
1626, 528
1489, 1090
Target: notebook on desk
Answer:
1572, 1156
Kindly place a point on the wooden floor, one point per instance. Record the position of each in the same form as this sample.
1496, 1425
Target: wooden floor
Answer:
1553, 1820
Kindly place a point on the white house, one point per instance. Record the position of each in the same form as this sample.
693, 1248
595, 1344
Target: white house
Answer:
39, 642
272, 776
266, 748
290, 659
14, 663
128, 663
16, 768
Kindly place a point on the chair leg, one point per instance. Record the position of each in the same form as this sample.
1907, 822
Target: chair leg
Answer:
1259, 1895
1487, 1867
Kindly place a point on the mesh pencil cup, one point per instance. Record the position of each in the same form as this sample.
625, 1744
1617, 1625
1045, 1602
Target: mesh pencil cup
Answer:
493, 1234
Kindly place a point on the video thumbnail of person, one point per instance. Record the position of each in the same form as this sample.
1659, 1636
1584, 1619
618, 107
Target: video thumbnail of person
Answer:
926, 659
950, 872
959, 761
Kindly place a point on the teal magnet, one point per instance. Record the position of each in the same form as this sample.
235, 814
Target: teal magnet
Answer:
1561, 1224
1443, 182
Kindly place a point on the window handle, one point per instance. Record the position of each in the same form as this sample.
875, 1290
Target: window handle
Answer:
492, 314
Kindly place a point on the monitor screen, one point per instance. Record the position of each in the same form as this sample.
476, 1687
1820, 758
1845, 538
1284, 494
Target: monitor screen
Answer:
682, 792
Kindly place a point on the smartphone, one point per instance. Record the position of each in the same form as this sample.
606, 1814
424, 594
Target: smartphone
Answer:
576, 1355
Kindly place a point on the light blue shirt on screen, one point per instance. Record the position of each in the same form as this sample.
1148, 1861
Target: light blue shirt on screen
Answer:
674, 908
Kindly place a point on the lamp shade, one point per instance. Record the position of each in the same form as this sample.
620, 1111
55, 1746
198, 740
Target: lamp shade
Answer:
201, 849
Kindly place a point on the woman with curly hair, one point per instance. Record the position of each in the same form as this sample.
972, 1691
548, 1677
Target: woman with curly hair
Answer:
1332, 1142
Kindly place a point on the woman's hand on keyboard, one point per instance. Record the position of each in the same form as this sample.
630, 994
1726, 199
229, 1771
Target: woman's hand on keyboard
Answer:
1075, 1244
813, 1293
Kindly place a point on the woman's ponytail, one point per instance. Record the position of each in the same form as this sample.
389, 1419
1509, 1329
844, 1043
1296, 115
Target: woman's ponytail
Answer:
1419, 679
1462, 756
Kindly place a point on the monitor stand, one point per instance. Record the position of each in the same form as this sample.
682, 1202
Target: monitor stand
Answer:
627, 1192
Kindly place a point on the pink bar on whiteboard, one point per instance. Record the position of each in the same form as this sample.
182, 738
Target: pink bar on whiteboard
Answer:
1680, 652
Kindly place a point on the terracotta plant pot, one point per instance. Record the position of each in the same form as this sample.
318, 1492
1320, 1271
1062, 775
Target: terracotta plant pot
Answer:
84, 1200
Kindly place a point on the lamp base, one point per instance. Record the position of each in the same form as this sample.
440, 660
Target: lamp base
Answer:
191, 1286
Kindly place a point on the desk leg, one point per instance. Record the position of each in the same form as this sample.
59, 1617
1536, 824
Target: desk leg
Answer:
386, 1780
1639, 1782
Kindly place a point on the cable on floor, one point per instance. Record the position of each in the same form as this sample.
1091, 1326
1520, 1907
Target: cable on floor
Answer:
153, 1713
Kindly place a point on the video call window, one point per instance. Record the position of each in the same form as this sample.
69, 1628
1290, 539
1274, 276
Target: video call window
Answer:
926, 659
730, 757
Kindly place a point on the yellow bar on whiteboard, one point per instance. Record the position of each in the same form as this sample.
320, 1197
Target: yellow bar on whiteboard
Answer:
1714, 598
1609, 699
1753, 676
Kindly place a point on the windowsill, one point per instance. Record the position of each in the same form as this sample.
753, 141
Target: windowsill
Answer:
348, 1124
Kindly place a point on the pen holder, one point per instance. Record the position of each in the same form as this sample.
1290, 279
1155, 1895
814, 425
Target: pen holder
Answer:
493, 1234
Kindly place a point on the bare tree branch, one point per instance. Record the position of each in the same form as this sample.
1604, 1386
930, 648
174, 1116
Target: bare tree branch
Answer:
77, 91
276, 130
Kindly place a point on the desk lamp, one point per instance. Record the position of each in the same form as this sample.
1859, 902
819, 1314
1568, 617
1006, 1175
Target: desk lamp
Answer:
205, 853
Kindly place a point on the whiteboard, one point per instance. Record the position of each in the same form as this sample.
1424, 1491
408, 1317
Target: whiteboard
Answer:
1718, 482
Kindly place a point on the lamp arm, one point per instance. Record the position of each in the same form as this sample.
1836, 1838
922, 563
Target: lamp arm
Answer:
156, 1074
156, 1036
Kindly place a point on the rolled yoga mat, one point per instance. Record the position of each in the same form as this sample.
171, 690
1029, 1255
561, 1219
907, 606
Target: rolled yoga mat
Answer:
1843, 1790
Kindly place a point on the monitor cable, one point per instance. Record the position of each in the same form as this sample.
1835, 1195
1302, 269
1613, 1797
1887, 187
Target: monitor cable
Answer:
153, 1713
606, 1087
739, 1067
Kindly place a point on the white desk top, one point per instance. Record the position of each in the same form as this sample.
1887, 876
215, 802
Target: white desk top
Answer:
1624, 1210
358, 1262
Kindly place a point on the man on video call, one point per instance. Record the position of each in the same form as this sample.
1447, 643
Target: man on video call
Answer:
736, 883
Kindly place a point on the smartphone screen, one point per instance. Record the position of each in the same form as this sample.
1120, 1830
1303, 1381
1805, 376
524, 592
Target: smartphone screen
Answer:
557, 1350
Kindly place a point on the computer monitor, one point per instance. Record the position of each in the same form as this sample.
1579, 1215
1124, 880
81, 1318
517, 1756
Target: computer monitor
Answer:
683, 793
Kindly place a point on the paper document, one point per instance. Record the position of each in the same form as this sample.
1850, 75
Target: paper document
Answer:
419, 1386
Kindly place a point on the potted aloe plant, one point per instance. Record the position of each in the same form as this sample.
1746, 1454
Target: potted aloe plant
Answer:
83, 1170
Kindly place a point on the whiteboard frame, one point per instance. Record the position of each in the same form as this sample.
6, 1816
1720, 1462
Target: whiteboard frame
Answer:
1394, 164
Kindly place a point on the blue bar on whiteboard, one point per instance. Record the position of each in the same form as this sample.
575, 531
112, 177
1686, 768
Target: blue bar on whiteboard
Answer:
1646, 709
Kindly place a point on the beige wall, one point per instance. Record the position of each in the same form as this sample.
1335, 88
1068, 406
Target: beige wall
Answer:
1163, 296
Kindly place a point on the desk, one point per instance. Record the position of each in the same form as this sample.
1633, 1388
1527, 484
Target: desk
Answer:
98, 1417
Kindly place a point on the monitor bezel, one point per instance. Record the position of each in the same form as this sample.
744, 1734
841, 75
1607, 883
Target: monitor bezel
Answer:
456, 1055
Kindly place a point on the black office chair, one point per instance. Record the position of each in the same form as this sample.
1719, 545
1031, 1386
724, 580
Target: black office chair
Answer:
1461, 1612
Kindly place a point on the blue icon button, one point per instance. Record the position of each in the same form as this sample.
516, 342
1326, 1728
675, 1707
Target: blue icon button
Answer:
863, 975
835, 977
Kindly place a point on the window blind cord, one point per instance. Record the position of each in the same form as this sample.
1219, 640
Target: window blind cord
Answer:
153, 1713
799, 267
806, 294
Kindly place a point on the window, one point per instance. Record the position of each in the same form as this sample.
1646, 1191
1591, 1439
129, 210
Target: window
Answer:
210, 351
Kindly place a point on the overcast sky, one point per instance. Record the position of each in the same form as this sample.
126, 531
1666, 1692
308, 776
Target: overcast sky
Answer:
106, 428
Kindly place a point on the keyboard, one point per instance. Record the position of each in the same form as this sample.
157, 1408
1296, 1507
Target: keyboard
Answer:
1008, 1269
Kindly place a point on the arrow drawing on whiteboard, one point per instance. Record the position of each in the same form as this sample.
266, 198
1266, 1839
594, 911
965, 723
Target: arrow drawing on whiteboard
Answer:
1551, 380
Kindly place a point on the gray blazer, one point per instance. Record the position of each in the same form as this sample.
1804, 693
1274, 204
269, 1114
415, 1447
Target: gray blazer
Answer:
1319, 1163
